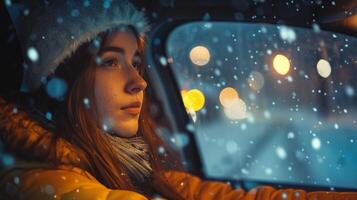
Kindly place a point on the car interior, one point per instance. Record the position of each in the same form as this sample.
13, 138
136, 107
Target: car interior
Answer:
288, 66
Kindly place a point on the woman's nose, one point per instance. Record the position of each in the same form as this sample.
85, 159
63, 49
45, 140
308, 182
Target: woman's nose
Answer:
136, 82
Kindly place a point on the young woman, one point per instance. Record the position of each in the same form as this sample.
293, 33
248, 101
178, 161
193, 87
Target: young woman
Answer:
98, 141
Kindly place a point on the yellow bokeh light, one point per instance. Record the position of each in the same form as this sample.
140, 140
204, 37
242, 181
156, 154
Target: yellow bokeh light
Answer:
281, 64
183, 93
200, 55
228, 96
194, 100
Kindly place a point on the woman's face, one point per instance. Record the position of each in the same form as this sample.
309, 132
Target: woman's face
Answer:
119, 88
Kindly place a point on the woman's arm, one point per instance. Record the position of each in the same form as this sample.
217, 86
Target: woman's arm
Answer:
68, 184
193, 188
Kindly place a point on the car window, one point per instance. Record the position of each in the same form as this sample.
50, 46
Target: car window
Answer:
270, 102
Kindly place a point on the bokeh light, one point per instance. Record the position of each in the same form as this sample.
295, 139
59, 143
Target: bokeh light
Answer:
193, 99
56, 88
323, 68
228, 96
237, 110
281, 64
161, 150
350, 92
232, 147
32, 54
288, 34
316, 143
181, 139
7, 160
200, 55
281, 153
256, 80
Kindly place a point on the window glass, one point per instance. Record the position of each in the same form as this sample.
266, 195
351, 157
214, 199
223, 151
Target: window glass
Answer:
269, 102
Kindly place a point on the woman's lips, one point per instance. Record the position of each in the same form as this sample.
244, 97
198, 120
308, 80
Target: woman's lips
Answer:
132, 110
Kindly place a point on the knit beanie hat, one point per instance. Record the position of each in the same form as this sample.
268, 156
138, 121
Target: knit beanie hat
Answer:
51, 31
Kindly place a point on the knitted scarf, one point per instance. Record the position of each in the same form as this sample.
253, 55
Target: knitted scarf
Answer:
133, 154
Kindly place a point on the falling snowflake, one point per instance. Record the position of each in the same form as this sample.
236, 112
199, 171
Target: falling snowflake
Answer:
32, 54
316, 143
281, 153
56, 88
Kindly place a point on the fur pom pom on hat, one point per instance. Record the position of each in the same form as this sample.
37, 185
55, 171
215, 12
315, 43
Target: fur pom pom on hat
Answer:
52, 31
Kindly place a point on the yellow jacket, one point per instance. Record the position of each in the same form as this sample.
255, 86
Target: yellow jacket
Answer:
31, 180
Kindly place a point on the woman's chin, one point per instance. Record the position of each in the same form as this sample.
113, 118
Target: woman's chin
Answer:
126, 132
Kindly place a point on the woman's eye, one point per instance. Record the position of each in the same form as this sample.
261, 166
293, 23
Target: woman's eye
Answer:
110, 63
136, 65
137, 62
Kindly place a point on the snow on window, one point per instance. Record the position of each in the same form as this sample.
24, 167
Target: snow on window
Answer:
270, 102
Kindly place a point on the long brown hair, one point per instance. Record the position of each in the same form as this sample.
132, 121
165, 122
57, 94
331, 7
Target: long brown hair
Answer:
79, 126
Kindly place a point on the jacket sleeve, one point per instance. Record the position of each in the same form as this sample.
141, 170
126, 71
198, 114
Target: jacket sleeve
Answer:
193, 188
68, 184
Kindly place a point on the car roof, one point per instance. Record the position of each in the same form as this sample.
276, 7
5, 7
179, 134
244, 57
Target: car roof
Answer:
329, 15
